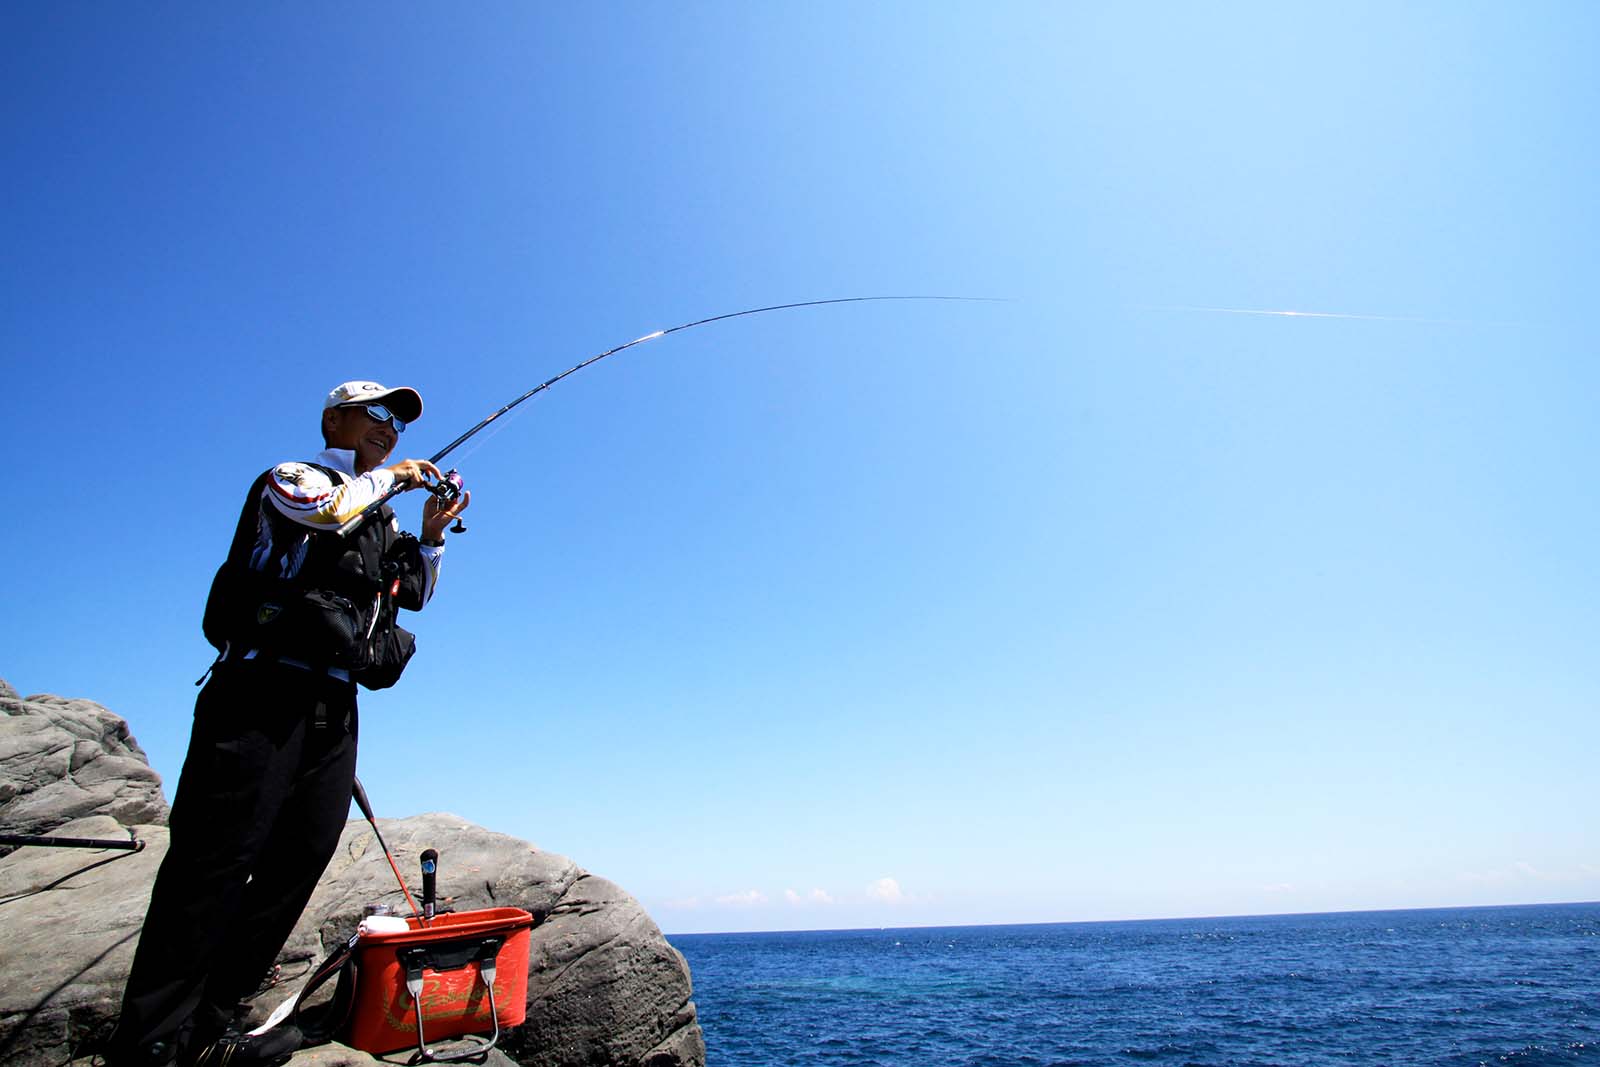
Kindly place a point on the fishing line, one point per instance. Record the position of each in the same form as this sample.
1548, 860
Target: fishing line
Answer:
474, 447
450, 487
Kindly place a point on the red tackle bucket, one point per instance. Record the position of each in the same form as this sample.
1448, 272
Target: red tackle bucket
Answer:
464, 973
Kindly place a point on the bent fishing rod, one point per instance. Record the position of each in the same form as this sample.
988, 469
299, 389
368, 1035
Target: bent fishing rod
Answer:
450, 486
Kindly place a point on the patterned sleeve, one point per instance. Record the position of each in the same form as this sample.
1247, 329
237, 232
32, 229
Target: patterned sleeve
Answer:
306, 495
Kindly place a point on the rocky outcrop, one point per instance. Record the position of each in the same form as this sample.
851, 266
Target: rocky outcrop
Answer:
64, 759
604, 986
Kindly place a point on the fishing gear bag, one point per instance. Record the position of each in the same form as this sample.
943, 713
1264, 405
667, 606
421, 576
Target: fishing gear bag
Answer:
390, 649
462, 976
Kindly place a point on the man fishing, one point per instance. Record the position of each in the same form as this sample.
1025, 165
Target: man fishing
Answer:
300, 614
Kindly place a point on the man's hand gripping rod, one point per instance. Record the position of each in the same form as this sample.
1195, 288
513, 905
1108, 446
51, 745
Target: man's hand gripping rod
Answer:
448, 488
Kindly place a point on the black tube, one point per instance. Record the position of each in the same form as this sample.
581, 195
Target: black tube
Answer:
430, 868
18, 840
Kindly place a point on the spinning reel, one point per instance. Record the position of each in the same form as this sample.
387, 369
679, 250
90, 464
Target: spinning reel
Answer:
447, 490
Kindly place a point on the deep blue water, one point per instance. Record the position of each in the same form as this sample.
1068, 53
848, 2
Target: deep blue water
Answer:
1459, 986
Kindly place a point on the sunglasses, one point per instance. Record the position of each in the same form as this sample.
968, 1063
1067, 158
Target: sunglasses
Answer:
379, 413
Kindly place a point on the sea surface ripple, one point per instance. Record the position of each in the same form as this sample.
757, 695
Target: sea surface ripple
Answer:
1516, 986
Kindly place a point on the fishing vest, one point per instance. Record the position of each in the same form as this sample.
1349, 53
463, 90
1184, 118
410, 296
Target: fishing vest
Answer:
338, 607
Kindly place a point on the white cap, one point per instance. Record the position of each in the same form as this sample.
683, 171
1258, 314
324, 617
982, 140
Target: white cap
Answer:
405, 402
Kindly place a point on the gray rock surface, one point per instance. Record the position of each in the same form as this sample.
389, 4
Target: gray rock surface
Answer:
64, 759
604, 986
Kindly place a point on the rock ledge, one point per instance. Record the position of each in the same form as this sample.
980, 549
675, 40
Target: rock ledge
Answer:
604, 986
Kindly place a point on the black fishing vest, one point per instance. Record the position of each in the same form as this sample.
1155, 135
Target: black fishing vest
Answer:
337, 609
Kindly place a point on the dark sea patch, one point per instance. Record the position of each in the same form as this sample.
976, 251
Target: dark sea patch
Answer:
1458, 987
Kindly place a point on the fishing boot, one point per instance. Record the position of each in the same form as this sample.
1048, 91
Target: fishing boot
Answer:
235, 1049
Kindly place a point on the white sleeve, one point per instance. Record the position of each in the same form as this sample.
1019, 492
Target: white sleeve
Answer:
309, 497
433, 560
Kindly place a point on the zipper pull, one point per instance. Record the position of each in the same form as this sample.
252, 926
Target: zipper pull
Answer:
202, 679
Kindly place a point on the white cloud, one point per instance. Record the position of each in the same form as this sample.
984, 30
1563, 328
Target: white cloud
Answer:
886, 890
748, 899
816, 896
1277, 887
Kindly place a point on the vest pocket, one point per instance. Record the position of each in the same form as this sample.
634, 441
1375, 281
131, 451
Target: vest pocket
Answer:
328, 628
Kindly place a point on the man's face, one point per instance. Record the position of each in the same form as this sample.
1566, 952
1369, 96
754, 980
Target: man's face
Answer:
371, 440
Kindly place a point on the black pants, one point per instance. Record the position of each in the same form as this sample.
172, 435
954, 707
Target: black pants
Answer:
260, 804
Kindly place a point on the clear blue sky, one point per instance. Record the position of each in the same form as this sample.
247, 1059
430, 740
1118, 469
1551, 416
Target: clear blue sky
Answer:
1087, 605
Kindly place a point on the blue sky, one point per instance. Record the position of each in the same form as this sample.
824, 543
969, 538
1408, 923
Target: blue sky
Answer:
1091, 604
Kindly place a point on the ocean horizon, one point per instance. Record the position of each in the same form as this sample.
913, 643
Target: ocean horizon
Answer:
1508, 984
1135, 919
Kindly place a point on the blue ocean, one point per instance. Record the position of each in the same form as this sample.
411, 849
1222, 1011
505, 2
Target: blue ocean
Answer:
1460, 986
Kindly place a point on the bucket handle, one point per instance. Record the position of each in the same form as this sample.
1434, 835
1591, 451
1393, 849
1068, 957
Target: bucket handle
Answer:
415, 959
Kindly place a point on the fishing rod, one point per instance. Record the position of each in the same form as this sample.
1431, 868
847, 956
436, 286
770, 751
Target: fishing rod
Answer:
448, 488
365, 805
133, 844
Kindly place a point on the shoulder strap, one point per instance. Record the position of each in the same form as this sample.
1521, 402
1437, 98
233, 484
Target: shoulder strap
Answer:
323, 1022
